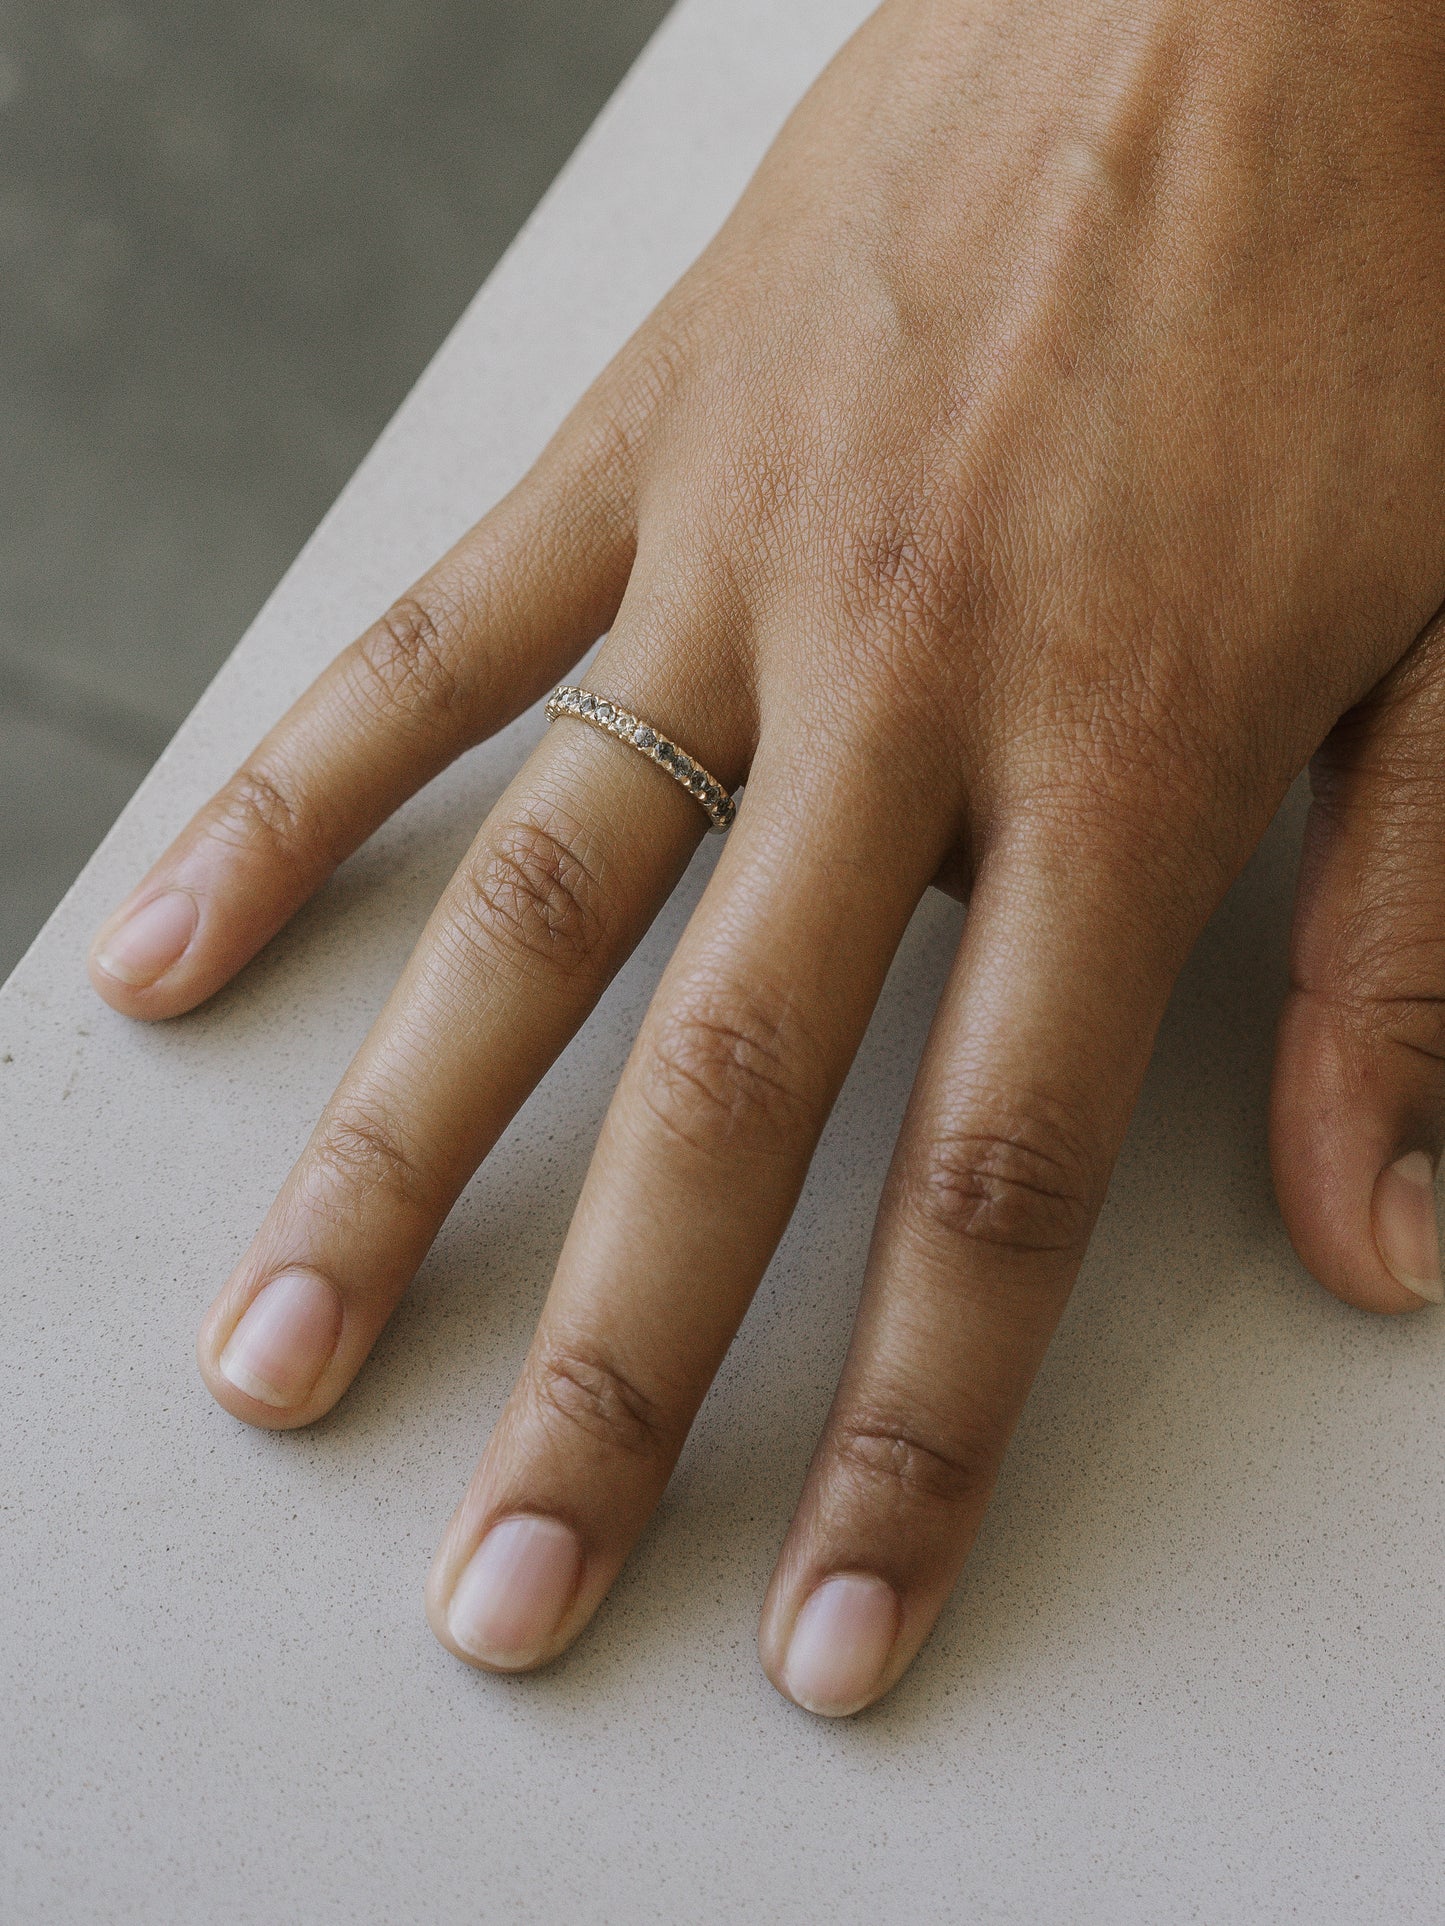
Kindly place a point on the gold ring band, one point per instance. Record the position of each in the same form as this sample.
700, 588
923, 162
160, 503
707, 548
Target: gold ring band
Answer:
602, 714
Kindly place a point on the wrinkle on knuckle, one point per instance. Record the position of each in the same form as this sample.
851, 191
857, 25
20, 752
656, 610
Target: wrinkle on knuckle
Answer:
363, 1149
1390, 951
1138, 727
619, 416
1382, 946
601, 448
1415, 1024
895, 571
1015, 1180
725, 1070
531, 893
575, 1391
907, 584
1161, 863
1108, 767
880, 1452
259, 809
410, 659
1411, 1019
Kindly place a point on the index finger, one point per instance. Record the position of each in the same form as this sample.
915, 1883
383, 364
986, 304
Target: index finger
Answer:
563, 878
476, 641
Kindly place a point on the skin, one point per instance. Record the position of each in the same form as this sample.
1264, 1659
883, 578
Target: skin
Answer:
1041, 469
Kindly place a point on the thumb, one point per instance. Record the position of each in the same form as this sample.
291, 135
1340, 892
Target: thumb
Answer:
1358, 1109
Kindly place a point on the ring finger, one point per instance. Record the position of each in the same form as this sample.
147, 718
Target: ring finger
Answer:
1026, 1086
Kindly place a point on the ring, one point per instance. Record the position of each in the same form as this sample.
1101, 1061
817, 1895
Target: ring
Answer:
602, 714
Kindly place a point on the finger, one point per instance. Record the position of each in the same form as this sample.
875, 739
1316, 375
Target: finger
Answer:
699, 1164
1359, 1083
562, 880
475, 642
1027, 1082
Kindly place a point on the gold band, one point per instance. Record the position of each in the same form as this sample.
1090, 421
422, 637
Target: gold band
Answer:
605, 715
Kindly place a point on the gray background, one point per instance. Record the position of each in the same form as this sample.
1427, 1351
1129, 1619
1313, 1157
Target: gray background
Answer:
231, 234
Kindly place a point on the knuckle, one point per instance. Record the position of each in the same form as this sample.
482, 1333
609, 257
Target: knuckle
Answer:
621, 412
575, 1391
878, 1452
1411, 1017
1414, 1023
913, 574
898, 571
604, 440
532, 893
259, 808
364, 1149
728, 1067
1374, 967
410, 658
1018, 1181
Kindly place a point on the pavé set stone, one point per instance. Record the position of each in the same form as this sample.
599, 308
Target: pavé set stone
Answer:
602, 714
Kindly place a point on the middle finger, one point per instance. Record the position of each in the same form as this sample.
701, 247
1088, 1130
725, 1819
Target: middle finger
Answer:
700, 1161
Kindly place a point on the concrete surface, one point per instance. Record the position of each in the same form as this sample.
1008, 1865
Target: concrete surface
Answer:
231, 234
1196, 1670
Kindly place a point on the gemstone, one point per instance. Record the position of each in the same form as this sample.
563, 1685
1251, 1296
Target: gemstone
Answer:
645, 737
626, 724
697, 783
681, 766
604, 712
665, 751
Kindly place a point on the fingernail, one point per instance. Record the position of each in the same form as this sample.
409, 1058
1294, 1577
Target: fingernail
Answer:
840, 1644
150, 939
285, 1340
1406, 1232
510, 1599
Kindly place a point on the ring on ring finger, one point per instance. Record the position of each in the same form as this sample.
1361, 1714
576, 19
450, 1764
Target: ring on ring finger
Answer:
615, 721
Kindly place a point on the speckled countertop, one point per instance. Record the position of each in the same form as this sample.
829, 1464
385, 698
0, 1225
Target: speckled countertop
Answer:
1197, 1666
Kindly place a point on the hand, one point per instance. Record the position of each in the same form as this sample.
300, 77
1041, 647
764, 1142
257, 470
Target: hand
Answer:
1045, 462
